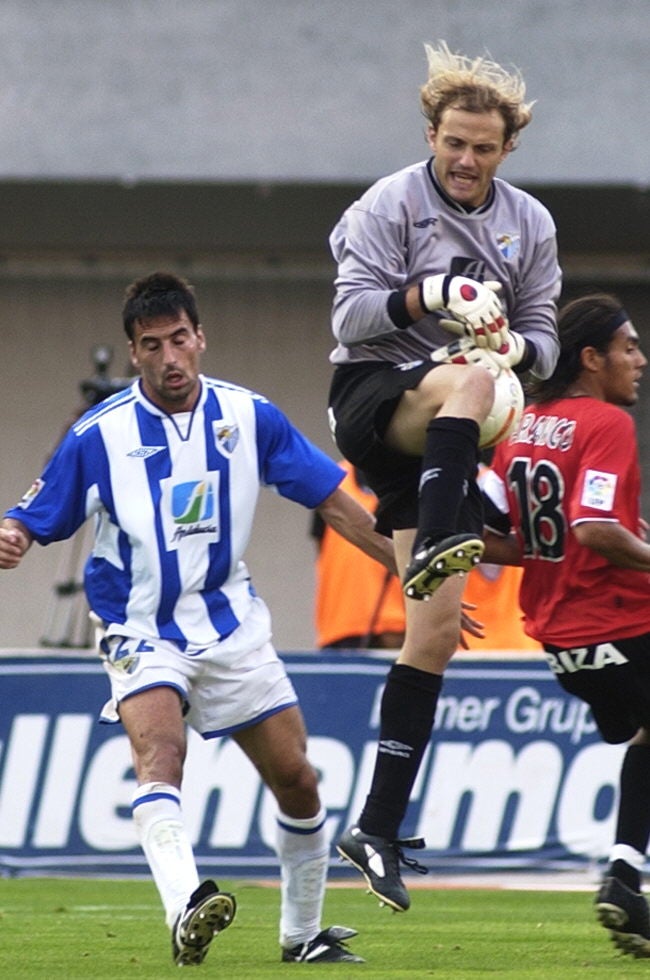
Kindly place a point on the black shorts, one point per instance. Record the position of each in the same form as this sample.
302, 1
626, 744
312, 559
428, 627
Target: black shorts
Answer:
613, 677
363, 399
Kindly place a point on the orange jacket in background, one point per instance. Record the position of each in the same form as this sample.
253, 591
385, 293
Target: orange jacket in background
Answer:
494, 589
356, 597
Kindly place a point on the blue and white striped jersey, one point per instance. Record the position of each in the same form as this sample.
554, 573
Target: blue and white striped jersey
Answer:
173, 497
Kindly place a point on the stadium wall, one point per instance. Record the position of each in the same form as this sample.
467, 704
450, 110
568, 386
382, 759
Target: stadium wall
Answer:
233, 90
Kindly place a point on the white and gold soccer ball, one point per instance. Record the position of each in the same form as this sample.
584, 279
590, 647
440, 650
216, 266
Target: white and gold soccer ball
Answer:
507, 409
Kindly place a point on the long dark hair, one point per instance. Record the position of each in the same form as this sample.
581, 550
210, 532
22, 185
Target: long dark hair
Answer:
589, 321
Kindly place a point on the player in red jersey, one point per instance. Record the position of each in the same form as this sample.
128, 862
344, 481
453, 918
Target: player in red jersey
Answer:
569, 480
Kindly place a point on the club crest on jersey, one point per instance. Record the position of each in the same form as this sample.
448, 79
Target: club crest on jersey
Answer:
31, 494
509, 244
226, 436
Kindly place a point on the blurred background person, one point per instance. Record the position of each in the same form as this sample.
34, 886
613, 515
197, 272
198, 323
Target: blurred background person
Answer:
494, 592
359, 605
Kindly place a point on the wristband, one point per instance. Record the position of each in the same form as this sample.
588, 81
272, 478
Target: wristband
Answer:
397, 311
529, 358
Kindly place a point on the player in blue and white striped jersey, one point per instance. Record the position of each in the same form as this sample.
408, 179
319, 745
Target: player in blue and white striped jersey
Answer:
170, 470
444, 237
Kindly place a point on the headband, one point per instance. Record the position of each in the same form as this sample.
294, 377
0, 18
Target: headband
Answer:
604, 331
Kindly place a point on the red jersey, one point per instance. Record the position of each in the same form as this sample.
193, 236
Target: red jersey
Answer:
574, 460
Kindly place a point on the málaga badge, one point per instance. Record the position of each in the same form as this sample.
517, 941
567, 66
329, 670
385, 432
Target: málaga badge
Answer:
226, 436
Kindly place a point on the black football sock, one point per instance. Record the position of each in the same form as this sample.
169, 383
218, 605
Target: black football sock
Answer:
625, 873
633, 823
449, 462
408, 709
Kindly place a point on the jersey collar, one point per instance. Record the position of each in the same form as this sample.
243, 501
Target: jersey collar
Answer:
454, 204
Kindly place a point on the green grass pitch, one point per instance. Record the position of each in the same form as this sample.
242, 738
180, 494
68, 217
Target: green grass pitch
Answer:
89, 928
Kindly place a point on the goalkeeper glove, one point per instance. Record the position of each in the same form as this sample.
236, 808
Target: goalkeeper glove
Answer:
464, 351
513, 352
475, 305
516, 353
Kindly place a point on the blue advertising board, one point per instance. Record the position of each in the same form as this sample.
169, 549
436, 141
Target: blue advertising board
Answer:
515, 776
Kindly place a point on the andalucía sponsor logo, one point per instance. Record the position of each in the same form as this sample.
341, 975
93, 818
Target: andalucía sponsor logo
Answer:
190, 509
193, 501
193, 508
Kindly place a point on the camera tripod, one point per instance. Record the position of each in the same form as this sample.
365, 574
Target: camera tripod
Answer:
67, 622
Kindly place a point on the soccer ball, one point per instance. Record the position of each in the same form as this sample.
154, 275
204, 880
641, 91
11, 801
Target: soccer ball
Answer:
506, 411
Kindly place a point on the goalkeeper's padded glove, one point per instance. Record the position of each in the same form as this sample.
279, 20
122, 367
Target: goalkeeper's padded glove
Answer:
516, 353
476, 307
513, 351
465, 351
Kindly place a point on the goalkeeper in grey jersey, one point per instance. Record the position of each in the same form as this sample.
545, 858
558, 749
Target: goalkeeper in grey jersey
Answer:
443, 246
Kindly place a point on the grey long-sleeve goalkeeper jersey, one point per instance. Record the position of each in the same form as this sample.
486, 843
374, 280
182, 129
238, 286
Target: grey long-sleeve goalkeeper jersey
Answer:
404, 228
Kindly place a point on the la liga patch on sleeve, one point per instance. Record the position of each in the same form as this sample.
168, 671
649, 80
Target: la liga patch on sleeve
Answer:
31, 494
598, 490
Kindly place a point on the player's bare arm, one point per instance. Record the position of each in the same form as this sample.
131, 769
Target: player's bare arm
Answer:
501, 550
357, 525
15, 539
615, 543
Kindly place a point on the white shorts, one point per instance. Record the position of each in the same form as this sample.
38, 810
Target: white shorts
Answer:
224, 687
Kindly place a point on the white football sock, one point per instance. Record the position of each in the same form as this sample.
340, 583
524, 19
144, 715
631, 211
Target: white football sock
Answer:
624, 852
303, 851
156, 812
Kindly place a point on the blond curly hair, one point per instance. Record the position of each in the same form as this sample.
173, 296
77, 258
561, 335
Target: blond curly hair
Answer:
477, 85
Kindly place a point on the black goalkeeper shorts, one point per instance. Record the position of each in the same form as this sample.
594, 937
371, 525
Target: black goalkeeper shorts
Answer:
363, 398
